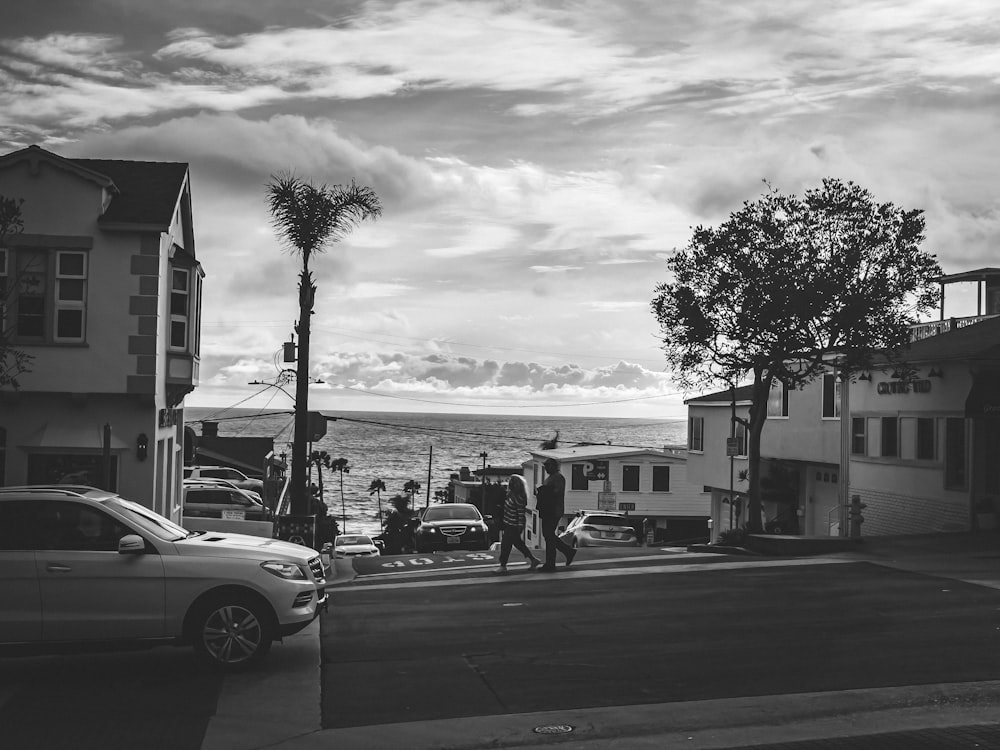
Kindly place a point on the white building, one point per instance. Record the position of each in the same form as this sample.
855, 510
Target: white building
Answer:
644, 483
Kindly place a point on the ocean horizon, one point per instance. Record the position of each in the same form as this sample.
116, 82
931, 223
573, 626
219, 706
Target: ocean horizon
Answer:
427, 447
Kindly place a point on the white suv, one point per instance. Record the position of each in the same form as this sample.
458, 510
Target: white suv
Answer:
235, 476
79, 564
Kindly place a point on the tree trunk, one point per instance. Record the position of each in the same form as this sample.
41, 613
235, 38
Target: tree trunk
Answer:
300, 504
758, 415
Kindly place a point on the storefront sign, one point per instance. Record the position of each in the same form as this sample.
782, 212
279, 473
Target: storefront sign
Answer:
606, 500
889, 387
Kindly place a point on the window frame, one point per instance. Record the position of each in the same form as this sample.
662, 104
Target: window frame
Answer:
178, 318
831, 397
696, 435
956, 462
626, 472
859, 448
661, 469
889, 446
772, 413
60, 305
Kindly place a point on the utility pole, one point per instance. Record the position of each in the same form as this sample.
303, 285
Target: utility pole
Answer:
482, 485
430, 458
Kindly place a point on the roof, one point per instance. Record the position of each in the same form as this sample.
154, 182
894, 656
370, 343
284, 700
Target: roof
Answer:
744, 394
602, 451
979, 341
147, 190
978, 274
142, 192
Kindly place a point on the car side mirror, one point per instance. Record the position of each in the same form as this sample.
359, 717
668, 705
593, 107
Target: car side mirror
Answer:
131, 544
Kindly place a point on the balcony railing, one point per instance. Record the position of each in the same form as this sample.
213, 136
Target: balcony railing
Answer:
921, 331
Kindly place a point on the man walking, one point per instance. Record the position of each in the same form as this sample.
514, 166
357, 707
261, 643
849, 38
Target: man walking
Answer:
551, 506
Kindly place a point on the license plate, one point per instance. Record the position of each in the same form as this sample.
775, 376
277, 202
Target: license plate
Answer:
454, 540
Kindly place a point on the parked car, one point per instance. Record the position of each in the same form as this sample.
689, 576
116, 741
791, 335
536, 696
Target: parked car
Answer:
355, 545
226, 483
216, 501
235, 476
80, 565
451, 526
599, 529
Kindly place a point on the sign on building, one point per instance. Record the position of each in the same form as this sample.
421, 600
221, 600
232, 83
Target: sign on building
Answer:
606, 500
596, 470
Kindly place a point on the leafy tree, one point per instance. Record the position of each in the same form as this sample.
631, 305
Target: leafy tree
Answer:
309, 219
377, 487
13, 362
787, 285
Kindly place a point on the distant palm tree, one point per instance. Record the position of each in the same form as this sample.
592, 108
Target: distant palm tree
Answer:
340, 464
411, 488
308, 219
377, 487
321, 460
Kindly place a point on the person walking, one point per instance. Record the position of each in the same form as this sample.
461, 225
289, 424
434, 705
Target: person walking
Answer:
551, 505
513, 524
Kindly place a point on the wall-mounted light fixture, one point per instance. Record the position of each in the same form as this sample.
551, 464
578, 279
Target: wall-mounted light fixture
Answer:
935, 373
896, 375
865, 376
141, 446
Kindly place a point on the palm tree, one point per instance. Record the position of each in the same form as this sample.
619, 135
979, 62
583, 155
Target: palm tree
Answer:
377, 487
308, 219
321, 460
340, 464
411, 488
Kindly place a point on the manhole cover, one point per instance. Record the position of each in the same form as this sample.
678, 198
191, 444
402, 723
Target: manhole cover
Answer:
554, 729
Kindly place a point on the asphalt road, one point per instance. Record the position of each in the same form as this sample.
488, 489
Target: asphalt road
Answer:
531, 642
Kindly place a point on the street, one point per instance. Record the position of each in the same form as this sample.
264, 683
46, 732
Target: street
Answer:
566, 641
623, 646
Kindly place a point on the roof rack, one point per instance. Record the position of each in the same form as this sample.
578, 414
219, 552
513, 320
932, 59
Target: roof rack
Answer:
69, 490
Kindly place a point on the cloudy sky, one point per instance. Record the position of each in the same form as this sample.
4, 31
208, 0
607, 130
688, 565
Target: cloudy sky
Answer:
536, 162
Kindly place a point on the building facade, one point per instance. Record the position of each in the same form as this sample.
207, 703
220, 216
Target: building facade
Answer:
642, 483
103, 290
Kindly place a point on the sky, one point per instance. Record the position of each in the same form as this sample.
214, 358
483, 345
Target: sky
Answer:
536, 163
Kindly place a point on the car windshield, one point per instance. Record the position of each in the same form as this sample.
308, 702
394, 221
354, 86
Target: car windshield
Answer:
149, 521
343, 541
604, 521
448, 513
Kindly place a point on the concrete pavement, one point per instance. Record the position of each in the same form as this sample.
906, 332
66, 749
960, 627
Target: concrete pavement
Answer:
279, 705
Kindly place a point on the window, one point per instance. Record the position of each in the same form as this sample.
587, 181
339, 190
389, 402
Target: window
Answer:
70, 295
696, 436
70, 468
661, 479
47, 300
777, 400
579, 480
630, 478
73, 526
926, 448
859, 436
740, 433
180, 309
831, 397
890, 437
954, 453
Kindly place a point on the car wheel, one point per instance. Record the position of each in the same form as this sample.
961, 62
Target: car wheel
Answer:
233, 632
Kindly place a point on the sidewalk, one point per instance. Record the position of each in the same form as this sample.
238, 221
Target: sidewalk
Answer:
278, 706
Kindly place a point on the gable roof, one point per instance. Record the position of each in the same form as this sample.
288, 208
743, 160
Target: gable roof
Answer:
142, 192
147, 190
744, 395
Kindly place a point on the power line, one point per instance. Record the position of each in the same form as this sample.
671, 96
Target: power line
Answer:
506, 406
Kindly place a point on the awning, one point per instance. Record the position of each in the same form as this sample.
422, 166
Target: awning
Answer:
984, 396
71, 436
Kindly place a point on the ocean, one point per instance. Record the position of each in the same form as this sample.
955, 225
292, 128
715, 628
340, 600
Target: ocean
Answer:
399, 447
